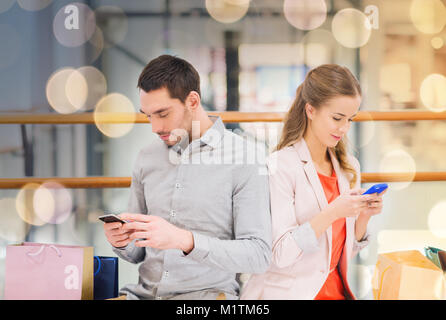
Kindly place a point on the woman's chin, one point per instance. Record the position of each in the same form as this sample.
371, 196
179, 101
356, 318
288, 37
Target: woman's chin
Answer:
333, 144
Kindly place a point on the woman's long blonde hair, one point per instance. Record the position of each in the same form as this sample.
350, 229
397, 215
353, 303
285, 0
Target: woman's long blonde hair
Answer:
320, 85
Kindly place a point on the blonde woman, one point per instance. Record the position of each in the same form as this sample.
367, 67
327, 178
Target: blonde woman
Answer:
319, 215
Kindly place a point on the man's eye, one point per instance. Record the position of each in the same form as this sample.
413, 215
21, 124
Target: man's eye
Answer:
350, 120
164, 115
337, 119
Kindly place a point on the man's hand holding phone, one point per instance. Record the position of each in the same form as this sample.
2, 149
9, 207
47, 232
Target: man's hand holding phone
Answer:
156, 232
116, 235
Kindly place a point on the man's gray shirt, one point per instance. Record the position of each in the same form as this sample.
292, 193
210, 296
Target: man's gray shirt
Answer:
217, 188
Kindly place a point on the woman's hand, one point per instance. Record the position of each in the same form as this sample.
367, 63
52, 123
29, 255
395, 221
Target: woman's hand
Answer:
374, 206
351, 204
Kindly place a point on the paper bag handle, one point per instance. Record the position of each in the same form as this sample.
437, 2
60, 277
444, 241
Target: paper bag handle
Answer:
99, 266
32, 254
380, 281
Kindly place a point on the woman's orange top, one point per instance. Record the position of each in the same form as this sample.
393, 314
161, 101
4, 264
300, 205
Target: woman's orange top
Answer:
333, 288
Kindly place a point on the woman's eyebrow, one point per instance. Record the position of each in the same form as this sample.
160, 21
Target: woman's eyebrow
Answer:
343, 115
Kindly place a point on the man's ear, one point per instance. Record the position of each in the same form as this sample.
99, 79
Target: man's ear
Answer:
193, 100
310, 111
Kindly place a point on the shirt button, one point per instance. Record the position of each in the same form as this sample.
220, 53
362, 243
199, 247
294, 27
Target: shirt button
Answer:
166, 274
173, 213
177, 185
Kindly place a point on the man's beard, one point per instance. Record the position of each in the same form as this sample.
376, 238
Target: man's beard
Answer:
183, 140
182, 137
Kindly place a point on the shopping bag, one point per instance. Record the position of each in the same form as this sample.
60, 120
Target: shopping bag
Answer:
38, 271
437, 256
407, 275
105, 277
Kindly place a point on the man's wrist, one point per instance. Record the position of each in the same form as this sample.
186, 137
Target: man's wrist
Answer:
187, 241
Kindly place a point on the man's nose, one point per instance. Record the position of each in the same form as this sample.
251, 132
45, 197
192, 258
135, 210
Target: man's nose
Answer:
157, 127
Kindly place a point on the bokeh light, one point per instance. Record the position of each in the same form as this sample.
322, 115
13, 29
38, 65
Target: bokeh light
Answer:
428, 16
25, 204
351, 28
437, 42
398, 161
227, 11
11, 45
12, 228
5, 5
76, 89
74, 24
114, 107
96, 44
52, 202
433, 92
57, 91
34, 5
116, 29
305, 14
437, 219
85, 87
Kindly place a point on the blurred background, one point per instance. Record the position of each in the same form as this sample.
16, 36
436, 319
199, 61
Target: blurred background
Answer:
67, 57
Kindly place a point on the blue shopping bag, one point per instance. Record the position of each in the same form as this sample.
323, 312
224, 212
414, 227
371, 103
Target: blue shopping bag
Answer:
105, 277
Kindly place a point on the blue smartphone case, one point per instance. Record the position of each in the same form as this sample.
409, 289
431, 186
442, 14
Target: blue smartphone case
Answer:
377, 188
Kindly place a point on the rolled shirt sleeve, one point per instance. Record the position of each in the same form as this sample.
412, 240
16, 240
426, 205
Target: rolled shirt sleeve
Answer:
305, 237
364, 242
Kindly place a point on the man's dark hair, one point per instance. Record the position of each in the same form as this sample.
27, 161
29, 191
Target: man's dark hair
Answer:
175, 74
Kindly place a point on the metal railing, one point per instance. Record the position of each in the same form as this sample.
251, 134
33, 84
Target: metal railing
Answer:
228, 117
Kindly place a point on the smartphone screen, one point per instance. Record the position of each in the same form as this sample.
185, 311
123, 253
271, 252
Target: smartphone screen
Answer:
110, 218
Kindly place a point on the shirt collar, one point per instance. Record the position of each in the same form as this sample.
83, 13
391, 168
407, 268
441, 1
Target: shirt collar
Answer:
214, 134
211, 137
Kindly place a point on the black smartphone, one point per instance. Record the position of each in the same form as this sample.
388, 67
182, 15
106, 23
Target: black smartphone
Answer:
107, 218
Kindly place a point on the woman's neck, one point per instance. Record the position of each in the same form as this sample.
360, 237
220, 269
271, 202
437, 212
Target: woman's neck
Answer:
317, 150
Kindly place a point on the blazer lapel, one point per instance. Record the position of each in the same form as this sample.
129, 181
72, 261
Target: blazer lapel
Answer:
311, 173
343, 183
315, 183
